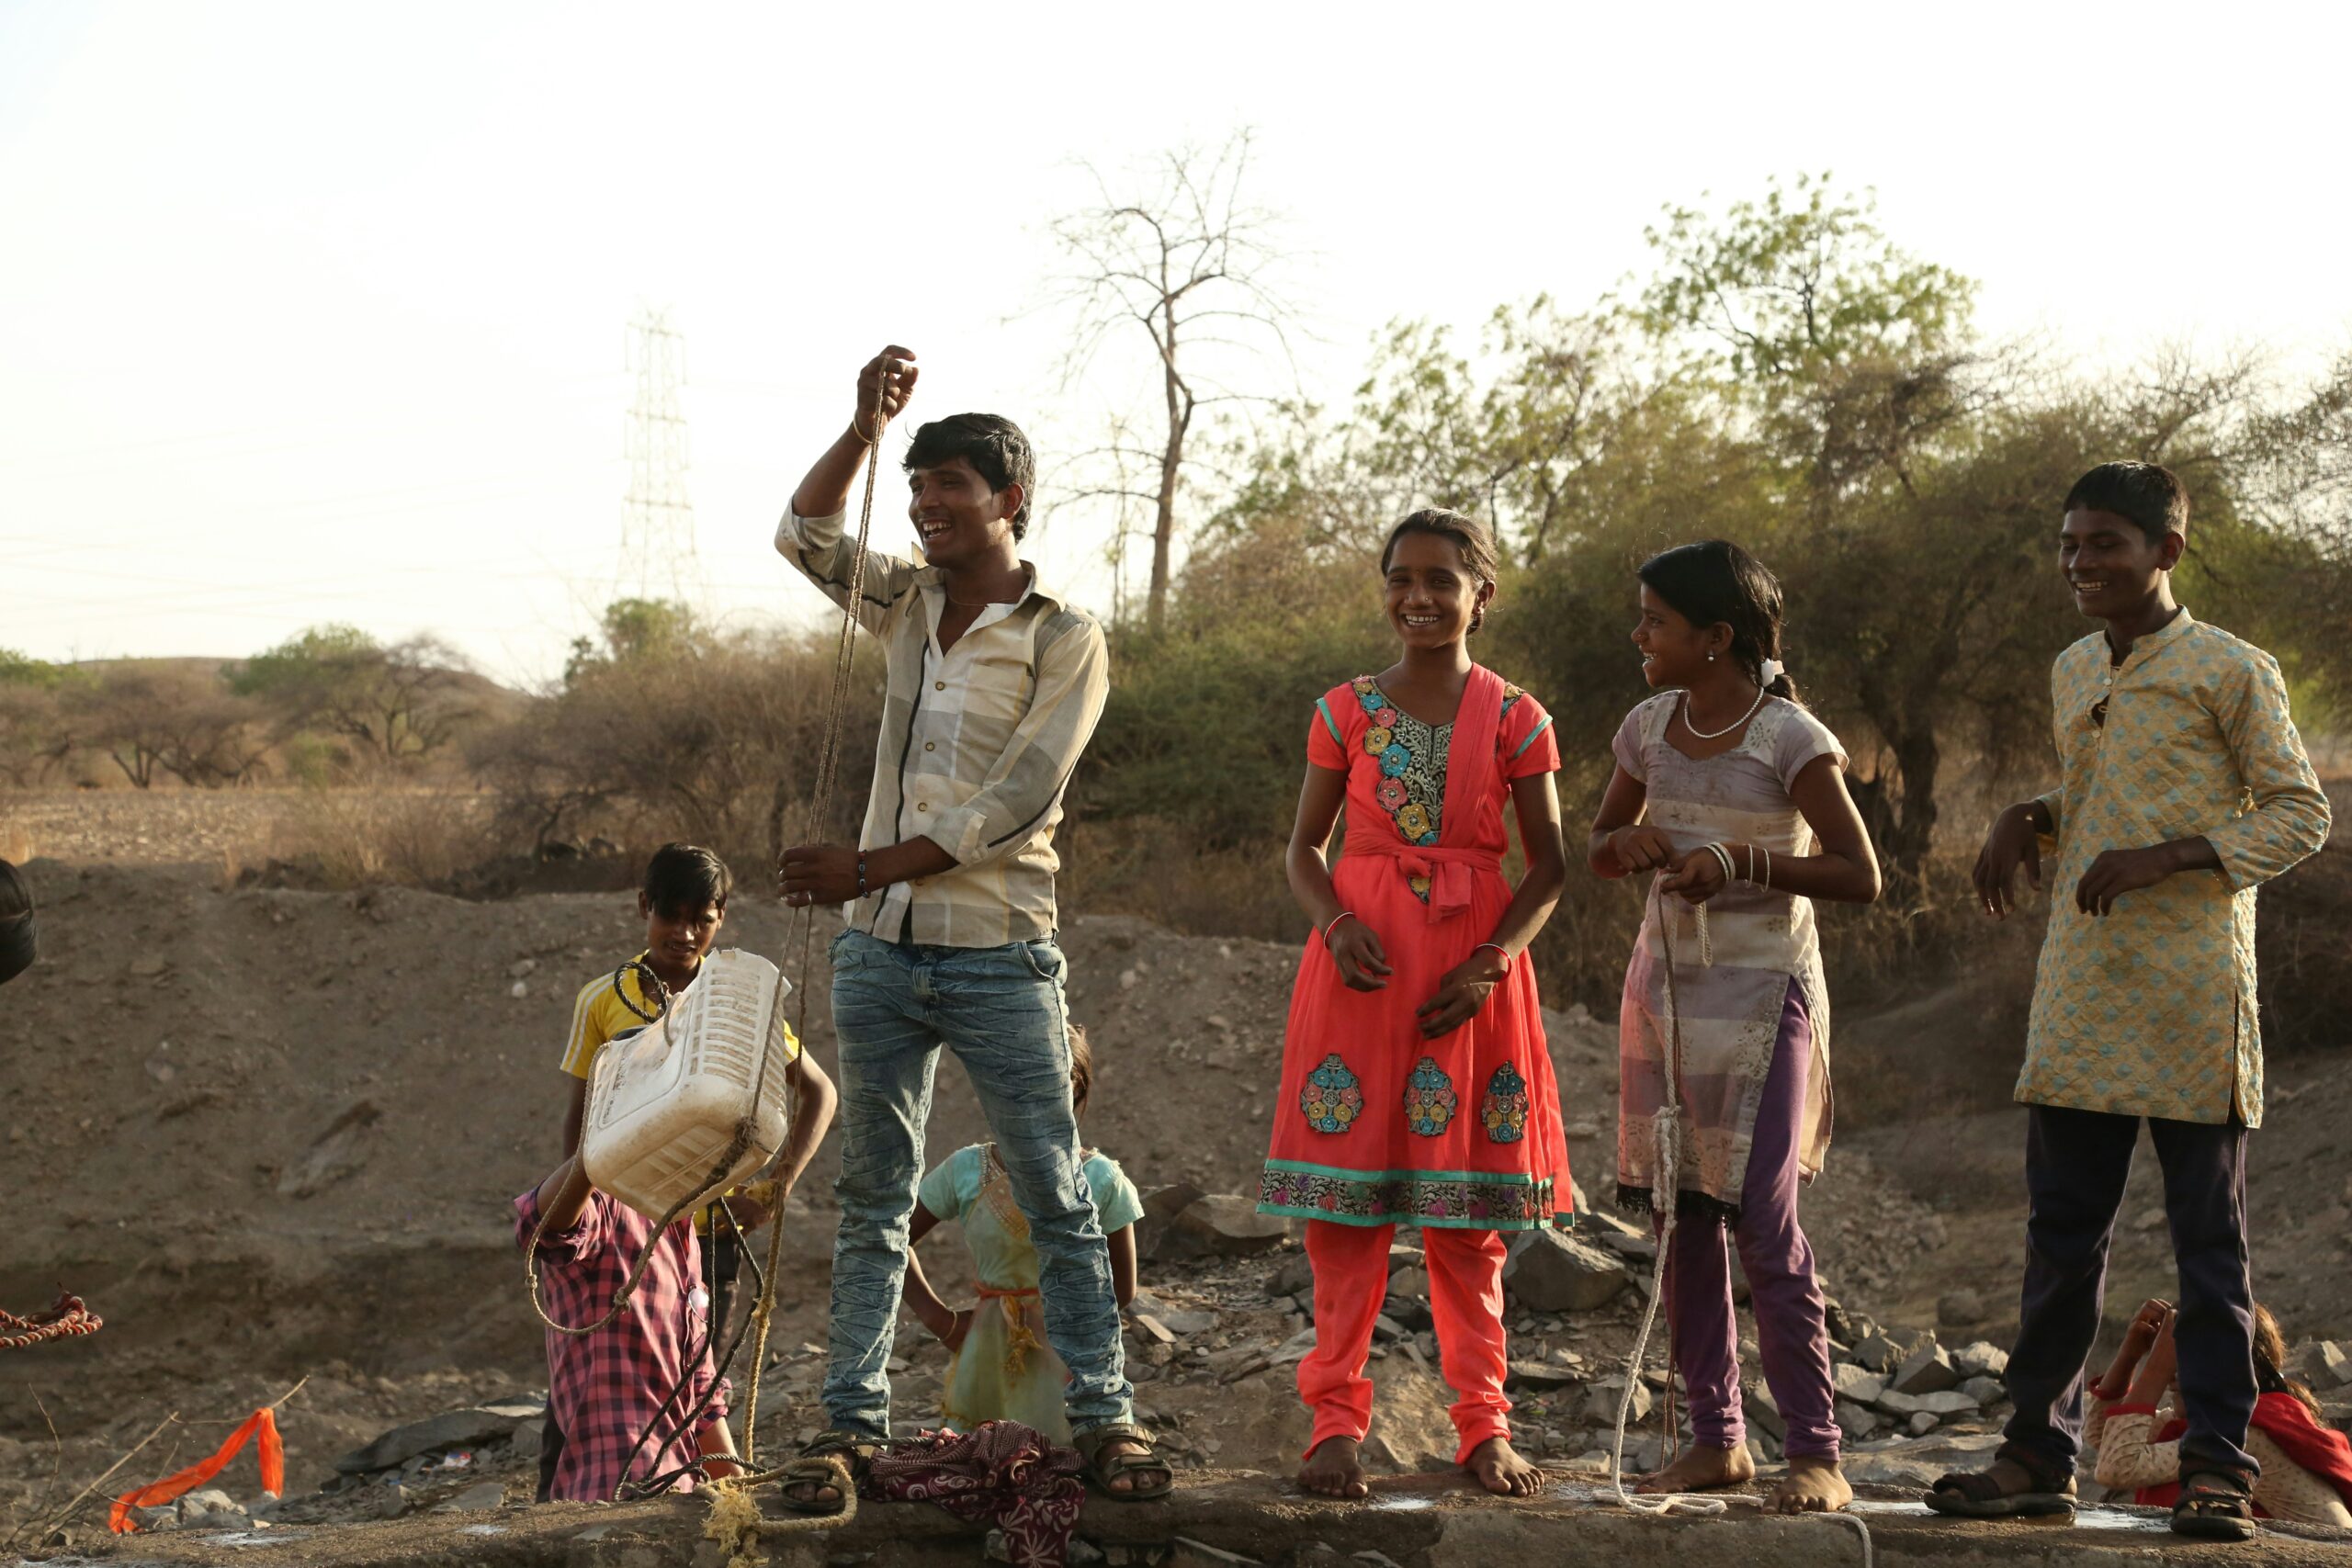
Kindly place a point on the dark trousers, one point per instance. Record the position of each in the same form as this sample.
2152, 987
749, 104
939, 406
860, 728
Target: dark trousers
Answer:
2075, 1166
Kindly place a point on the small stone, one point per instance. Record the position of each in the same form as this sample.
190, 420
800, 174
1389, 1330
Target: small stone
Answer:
1922, 1422
1549, 1272
1986, 1391
1763, 1412
1600, 1404
527, 1439
386, 1502
1152, 1328
1293, 1274
1877, 1353
1541, 1375
1855, 1420
1129, 979
1980, 1359
1227, 1225
519, 989
148, 965
484, 1495
2320, 1363
1856, 1383
1960, 1309
1925, 1370
1386, 1328
1403, 1257
521, 968
1643, 1248
1412, 1284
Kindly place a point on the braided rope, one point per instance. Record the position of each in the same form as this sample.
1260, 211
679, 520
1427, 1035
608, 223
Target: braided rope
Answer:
1665, 1129
820, 807
67, 1318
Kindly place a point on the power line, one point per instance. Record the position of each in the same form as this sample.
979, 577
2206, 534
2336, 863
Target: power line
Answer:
657, 556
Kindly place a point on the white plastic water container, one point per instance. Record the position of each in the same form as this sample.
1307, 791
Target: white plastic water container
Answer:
663, 1103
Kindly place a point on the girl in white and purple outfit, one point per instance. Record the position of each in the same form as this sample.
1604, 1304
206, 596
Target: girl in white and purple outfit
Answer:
1736, 795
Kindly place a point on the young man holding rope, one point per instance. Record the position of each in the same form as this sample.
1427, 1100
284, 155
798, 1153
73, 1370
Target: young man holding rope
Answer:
994, 687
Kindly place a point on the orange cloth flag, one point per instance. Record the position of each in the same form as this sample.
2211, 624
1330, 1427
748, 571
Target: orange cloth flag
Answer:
273, 1471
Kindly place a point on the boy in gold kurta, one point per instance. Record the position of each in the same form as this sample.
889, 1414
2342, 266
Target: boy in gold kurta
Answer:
2183, 786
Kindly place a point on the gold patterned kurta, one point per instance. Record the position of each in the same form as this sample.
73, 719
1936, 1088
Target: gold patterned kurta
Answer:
2149, 1011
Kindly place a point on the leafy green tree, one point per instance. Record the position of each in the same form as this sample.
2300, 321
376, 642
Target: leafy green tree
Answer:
395, 703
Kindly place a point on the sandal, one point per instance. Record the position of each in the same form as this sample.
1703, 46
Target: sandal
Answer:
837, 1459
2214, 1505
1983, 1494
1104, 1467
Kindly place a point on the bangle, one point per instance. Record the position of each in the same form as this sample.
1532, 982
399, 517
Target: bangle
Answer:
1723, 858
859, 434
1501, 952
1767, 868
1342, 915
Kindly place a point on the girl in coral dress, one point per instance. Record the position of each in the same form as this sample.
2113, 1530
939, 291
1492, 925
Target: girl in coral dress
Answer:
1417, 1088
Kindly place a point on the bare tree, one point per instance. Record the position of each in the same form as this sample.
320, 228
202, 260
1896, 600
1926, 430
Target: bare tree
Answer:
1178, 254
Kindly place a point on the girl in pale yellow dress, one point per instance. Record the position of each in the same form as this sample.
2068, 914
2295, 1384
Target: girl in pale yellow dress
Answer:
1001, 1366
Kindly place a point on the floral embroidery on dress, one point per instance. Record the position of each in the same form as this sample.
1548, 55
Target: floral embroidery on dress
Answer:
1412, 758
1429, 1101
1517, 1204
1333, 1097
1504, 1111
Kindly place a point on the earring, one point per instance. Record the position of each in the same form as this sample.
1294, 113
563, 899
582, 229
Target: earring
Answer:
1711, 656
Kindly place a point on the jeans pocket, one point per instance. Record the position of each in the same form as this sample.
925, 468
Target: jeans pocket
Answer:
1045, 959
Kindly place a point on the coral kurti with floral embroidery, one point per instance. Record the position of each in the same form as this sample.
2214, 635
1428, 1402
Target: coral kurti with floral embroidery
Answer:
1375, 1125
2149, 1010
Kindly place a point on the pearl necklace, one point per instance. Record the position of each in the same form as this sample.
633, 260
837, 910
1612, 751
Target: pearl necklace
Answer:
1699, 733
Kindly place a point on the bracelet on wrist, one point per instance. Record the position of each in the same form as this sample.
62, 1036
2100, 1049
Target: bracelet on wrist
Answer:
1498, 951
861, 876
1342, 915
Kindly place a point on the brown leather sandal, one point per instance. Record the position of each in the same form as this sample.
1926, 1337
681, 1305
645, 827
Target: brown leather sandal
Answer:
2214, 1505
1981, 1494
831, 1459
1104, 1467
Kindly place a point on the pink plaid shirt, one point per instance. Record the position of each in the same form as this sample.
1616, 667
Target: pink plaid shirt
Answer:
604, 1387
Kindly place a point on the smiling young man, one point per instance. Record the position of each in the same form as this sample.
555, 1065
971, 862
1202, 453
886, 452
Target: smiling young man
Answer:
994, 686
2183, 786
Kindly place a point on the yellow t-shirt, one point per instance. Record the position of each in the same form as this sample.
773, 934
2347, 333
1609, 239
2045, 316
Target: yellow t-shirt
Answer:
599, 1014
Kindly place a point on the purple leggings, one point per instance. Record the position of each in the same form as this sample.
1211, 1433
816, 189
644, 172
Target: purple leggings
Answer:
1779, 1261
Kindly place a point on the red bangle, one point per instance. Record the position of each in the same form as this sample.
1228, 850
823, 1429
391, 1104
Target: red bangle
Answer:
1501, 952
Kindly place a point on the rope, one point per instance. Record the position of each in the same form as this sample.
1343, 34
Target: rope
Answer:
67, 1318
1666, 1172
1665, 1183
820, 805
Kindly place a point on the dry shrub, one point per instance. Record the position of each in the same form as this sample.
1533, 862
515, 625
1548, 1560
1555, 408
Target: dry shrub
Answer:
356, 838
697, 736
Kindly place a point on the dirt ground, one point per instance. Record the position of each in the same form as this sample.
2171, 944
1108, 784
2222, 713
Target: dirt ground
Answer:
272, 1135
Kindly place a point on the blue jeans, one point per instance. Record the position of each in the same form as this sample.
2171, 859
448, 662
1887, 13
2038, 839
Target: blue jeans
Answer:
1000, 1009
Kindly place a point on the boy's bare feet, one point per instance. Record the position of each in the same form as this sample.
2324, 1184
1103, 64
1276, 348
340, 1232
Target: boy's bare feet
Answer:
1333, 1470
1501, 1471
1702, 1470
1813, 1485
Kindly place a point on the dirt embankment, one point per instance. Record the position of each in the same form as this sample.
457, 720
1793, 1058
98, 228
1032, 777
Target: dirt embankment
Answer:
272, 1133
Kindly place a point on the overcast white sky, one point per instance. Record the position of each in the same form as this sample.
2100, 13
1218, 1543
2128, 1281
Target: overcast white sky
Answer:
314, 312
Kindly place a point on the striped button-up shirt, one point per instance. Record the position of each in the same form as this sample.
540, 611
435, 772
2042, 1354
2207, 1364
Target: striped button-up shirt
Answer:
2149, 1011
977, 745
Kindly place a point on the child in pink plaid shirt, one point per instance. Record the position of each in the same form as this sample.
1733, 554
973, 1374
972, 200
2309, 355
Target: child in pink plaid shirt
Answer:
604, 1387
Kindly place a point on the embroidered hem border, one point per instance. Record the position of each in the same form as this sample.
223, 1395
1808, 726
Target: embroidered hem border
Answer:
1466, 1199
1688, 1204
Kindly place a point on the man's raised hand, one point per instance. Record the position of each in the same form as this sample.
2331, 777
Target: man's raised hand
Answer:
890, 377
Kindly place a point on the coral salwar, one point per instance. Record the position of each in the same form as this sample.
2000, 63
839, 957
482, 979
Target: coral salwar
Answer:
1376, 1126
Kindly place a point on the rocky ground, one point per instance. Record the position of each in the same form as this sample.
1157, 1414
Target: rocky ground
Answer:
270, 1136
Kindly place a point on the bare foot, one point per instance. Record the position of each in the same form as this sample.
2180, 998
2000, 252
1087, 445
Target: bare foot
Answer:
1332, 1469
1501, 1471
1813, 1485
1702, 1470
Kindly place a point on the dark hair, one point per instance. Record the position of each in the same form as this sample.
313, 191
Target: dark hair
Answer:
1081, 1070
686, 876
2148, 494
2270, 1359
17, 944
1469, 536
1717, 580
993, 445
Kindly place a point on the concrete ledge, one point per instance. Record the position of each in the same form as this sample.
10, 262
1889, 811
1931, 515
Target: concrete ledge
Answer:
1430, 1521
